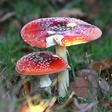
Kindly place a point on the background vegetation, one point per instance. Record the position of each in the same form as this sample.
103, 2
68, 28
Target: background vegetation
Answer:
16, 13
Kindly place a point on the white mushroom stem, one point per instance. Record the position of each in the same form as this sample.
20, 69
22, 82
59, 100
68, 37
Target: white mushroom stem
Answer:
63, 77
45, 82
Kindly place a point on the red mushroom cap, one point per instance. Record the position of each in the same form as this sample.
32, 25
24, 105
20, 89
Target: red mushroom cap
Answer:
40, 63
66, 32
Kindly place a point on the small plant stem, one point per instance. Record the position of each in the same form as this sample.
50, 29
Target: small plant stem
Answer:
45, 82
63, 77
51, 103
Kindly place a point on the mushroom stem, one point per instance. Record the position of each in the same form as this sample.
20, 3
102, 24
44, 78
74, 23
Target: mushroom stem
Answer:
45, 82
63, 77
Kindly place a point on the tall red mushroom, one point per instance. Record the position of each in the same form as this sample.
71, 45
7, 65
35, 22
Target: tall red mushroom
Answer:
61, 32
41, 63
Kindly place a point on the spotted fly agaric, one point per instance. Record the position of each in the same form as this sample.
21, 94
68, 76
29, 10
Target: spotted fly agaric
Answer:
67, 31
41, 63
61, 32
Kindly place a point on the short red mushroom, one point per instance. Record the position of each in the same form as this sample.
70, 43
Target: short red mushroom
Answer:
41, 63
62, 32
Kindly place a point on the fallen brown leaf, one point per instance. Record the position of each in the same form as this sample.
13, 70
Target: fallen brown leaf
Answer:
83, 107
68, 13
80, 87
7, 16
86, 72
92, 5
104, 86
87, 83
107, 105
107, 62
104, 66
97, 66
93, 86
